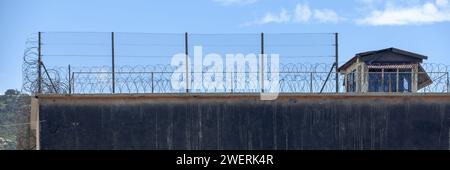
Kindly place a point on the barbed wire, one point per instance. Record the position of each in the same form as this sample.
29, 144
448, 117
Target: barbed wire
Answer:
157, 78
298, 78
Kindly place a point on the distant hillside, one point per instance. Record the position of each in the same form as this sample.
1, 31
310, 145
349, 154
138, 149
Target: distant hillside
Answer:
14, 119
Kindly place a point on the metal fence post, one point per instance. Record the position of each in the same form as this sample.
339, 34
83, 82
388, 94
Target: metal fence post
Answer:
39, 64
70, 81
337, 61
73, 82
447, 83
231, 82
152, 83
113, 64
311, 82
186, 50
398, 80
262, 62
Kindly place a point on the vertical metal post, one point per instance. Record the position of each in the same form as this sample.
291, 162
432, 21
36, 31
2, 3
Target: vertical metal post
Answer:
262, 63
113, 70
447, 83
390, 82
70, 81
231, 84
411, 76
73, 82
39, 64
187, 59
311, 82
383, 87
337, 61
152, 83
398, 80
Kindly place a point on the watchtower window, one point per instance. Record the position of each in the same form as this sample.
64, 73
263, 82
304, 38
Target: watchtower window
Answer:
351, 81
375, 80
390, 80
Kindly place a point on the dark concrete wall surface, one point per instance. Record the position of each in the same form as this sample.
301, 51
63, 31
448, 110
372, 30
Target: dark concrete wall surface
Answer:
245, 122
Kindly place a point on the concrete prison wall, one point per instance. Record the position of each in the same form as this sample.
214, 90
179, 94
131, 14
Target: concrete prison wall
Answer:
224, 121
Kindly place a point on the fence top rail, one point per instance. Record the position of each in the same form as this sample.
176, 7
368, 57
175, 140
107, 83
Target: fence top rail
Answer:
193, 33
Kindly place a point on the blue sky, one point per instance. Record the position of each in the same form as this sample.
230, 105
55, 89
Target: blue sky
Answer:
421, 26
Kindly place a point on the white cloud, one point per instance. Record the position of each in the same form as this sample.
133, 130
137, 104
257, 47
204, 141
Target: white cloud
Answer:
302, 13
235, 2
282, 17
425, 13
327, 16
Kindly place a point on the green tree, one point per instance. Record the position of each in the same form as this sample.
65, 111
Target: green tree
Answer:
11, 92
